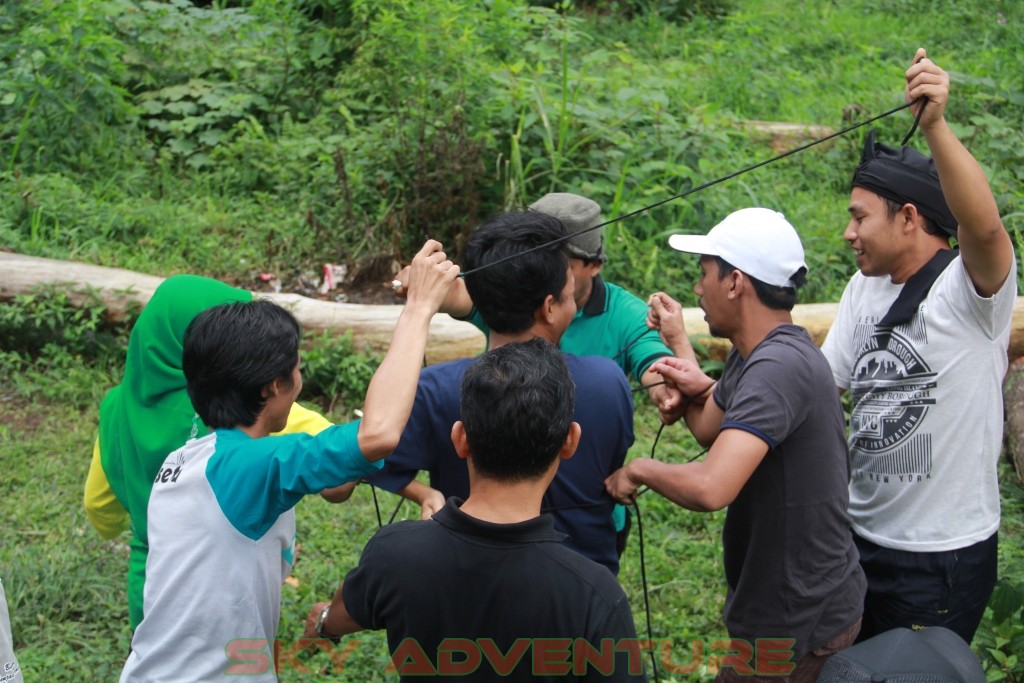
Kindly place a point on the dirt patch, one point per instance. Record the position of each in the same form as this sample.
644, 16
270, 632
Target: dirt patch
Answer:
379, 293
19, 415
367, 281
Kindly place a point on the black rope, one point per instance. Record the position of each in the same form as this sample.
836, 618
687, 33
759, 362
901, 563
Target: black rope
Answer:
376, 506
401, 500
704, 186
917, 120
643, 581
642, 387
634, 340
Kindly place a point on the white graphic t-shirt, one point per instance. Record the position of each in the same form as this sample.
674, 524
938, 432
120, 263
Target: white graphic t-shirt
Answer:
927, 413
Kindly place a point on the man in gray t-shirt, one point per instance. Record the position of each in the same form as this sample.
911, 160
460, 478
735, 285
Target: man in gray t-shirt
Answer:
777, 452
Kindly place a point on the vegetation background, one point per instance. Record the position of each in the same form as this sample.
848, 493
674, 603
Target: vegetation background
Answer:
233, 139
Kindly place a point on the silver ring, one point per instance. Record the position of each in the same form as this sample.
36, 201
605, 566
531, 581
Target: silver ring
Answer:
396, 285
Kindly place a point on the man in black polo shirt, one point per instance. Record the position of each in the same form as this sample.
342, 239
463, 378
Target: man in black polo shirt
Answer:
485, 589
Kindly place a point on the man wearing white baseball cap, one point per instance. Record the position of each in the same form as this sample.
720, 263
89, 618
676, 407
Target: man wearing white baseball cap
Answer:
760, 242
777, 449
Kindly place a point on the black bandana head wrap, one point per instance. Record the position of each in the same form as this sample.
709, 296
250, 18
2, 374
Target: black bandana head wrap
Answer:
905, 176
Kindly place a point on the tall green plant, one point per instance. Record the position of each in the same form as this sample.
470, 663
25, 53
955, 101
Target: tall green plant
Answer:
199, 71
62, 81
419, 77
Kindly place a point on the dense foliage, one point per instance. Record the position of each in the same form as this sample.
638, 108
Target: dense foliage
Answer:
245, 137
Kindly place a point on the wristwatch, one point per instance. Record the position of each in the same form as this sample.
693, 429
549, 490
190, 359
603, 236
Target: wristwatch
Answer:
319, 626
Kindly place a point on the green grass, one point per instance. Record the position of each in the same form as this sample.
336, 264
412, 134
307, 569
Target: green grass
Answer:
65, 586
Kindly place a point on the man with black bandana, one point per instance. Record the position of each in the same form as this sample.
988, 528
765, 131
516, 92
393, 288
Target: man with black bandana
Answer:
920, 341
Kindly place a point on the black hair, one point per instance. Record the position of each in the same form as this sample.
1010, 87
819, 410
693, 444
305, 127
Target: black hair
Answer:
517, 404
508, 295
931, 227
772, 296
231, 352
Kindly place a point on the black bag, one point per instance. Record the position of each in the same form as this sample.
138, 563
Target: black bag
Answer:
931, 655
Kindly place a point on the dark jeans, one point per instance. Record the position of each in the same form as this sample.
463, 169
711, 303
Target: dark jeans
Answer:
917, 590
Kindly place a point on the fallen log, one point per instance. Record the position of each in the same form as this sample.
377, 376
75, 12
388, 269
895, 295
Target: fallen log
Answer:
1013, 409
371, 325
122, 290
782, 137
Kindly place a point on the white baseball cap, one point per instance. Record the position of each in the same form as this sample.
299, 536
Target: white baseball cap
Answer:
759, 242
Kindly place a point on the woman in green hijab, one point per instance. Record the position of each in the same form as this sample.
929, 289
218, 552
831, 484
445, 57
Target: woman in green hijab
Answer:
149, 415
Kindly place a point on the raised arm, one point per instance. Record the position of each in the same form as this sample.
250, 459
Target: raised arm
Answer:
665, 315
456, 302
985, 246
390, 394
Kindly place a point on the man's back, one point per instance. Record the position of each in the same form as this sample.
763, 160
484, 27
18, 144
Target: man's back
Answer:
524, 600
576, 498
222, 535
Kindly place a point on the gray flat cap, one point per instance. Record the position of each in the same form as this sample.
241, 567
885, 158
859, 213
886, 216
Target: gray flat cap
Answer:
576, 213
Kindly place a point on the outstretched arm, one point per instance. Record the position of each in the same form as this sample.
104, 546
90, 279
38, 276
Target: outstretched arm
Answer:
337, 623
708, 485
429, 499
984, 243
703, 416
339, 494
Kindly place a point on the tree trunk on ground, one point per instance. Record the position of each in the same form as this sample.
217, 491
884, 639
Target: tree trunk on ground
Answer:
1013, 409
371, 325
121, 290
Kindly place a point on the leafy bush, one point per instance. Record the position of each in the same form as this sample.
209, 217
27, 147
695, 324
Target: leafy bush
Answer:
1000, 640
51, 317
64, 103
334, 373
667, 10
151, 134
55, 344
198, 71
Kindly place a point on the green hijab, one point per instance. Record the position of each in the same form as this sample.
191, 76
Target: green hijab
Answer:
149, 414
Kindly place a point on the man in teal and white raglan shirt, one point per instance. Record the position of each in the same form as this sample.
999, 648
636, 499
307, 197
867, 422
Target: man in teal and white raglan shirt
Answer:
221, 517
